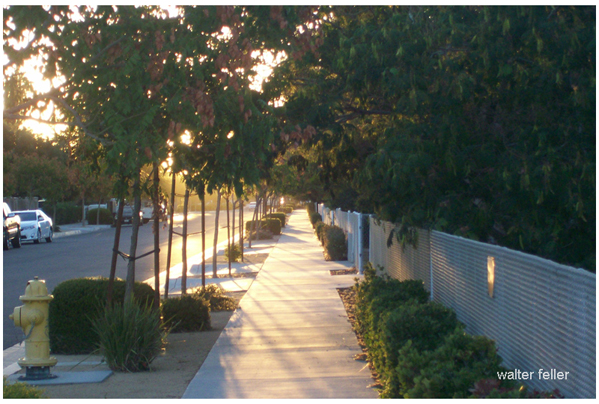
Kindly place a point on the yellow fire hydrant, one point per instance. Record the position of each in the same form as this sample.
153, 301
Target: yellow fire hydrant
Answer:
32, 317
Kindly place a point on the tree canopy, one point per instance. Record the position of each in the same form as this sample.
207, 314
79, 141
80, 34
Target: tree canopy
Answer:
479, 121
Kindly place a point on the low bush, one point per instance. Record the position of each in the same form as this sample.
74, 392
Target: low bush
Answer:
129, 336
335, 244
233, 254
417, 347
310, 208
216, 297
315, 218
105, 216
186, 313
67, 212
285, 209
450, 370
425, 325
273, 225
319, 229
76, 303
281, 216
20, 390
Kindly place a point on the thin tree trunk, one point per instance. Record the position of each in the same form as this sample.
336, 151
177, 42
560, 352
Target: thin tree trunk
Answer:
253, 228
184, 247
98, 213
233, 221
115, 249
214, 248
130, 282
156, 228
203, 198
241, 229
170, 237
229, 237
83, 209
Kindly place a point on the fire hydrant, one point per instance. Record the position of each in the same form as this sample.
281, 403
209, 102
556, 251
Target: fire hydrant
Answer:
32, 317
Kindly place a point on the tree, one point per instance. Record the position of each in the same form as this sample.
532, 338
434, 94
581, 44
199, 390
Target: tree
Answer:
479, 121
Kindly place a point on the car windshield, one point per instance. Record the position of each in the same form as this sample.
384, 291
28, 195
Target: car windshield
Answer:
28, 216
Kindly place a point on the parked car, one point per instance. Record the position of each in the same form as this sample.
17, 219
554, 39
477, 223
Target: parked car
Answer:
35, 225
128, 215
12, 228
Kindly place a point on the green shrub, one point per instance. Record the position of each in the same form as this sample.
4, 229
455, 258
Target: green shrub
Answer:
315, 218
21, 390
273, 225
105, 216
217, 298
319, 229
335, 244
76, 303
281, 216
233, 254
449, 371
186, 313
310, 208
424, 324
130, 337
285, 209
67, 212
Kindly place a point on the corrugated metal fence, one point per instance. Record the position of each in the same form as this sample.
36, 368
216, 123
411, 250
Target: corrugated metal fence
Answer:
541, 314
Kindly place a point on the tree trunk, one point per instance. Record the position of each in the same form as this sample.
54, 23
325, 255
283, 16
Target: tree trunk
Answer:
253, 228
83, 209
241, 229
170, 237
130, 282
214, 248
156, 229
184, 246
203, 198
233, 221
229, 237
98, 212
115, 249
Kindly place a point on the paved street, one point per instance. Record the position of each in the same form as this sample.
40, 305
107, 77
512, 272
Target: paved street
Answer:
90, 254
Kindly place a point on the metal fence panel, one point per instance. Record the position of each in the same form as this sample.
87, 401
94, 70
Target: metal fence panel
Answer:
541, 315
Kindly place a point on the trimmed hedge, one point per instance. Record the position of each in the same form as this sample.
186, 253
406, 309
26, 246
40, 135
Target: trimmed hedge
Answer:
273, 225
186, 313
315, 218
76, 303
335, 244
285, 209
105, 216
281, 216
319, 229
417, 347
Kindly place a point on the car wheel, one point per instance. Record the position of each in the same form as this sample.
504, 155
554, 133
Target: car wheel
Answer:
49, 238
39, 237
16, 242
5, 247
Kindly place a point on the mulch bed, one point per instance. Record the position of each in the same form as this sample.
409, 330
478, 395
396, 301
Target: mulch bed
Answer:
350, 271
348, 297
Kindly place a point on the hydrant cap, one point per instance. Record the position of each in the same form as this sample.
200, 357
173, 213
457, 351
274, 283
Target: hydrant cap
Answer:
36, 290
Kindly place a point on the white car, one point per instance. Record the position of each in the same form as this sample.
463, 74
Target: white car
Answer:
35, 225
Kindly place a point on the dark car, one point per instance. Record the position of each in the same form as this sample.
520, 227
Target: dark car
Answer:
12, 228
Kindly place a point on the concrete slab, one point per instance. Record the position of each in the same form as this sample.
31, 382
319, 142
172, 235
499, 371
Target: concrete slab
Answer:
92, 376
291, 337
323, 387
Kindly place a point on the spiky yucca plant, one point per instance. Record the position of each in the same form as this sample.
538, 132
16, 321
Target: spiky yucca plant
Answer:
130, 336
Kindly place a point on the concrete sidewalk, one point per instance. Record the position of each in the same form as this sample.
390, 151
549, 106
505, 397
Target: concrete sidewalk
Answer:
291, 337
